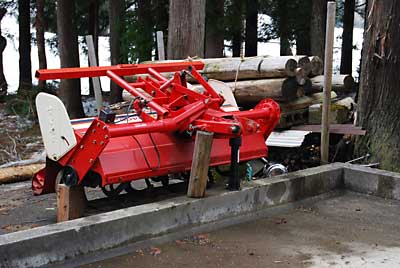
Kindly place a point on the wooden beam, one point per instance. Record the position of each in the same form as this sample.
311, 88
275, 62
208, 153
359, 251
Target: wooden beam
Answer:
326, 106
96, 80
200, 164
71, 202
160, 45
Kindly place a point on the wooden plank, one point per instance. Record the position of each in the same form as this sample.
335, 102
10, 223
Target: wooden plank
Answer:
200, 163
71, 202
326, 106
95, 80
345, 129
160, 45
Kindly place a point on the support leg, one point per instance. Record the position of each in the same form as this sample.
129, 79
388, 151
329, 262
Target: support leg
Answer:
200, 164
71, 202
234, 180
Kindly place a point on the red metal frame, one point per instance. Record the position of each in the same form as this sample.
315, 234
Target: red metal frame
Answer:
158, 144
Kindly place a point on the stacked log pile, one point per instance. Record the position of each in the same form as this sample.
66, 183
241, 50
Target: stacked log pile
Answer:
294, 81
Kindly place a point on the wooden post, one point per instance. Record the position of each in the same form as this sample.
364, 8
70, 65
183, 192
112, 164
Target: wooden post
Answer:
200, 163
95, 80
326, 106
160, 45
71, 202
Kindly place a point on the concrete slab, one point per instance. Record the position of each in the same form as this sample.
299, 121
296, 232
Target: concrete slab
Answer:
166, 219
349, 230
56, 242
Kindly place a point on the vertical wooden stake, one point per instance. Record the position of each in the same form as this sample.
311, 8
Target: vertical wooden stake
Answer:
95, 80
71, 202
160, 45
326, 107
200, 163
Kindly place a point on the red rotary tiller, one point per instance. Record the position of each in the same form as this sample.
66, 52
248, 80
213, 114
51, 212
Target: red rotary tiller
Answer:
154, 141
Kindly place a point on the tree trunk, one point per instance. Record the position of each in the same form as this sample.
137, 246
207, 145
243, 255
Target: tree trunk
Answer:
214, 47
237, 27
3, 43
346, 63
379, 96
145, 30
116, 11
186, 28
39, 24
70, 89
317, 28
251, 28
25, 66
283, 25
302, 27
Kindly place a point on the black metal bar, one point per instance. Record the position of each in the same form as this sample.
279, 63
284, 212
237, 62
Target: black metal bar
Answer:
234, 180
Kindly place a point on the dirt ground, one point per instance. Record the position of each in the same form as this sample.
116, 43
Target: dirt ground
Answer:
351, 230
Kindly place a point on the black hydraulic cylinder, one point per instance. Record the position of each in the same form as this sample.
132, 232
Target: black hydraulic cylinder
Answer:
234, 180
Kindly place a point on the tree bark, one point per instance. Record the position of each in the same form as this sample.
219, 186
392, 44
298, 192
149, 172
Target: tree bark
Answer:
25, 66
379, 96
116, 11
251, 28
317, 28
283, 25
145, 30
214, 47
186, 28
39, 24
70, 89
3, 43
302, 27
346, 63
237, 27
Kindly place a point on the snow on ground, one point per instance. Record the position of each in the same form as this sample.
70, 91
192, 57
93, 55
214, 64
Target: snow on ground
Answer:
11, 56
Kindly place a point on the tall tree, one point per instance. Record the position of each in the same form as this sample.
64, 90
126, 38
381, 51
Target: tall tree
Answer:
3, 43
116, 9
379, 96
317, 27
39, 25
346, 62
284, 27
235, 22
70, 89
186, 30
145, 30
25, 66
251, 28
214, 46
302, 22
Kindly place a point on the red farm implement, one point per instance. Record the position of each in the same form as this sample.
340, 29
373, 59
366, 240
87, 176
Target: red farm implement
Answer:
153, 140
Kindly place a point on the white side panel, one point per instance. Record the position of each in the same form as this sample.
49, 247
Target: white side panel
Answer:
55, 126
226, 91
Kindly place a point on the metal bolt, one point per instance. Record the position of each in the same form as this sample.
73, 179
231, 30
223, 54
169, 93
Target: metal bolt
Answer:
98, 124
94, 141
102, 143
81, 147
106, 137
91, 161
93, 130
104, 127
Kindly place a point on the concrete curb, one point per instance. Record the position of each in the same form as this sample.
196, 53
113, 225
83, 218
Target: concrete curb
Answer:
57, 242
136, 225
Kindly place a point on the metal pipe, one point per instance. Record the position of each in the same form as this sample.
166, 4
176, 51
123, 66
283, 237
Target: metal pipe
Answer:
125, 85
